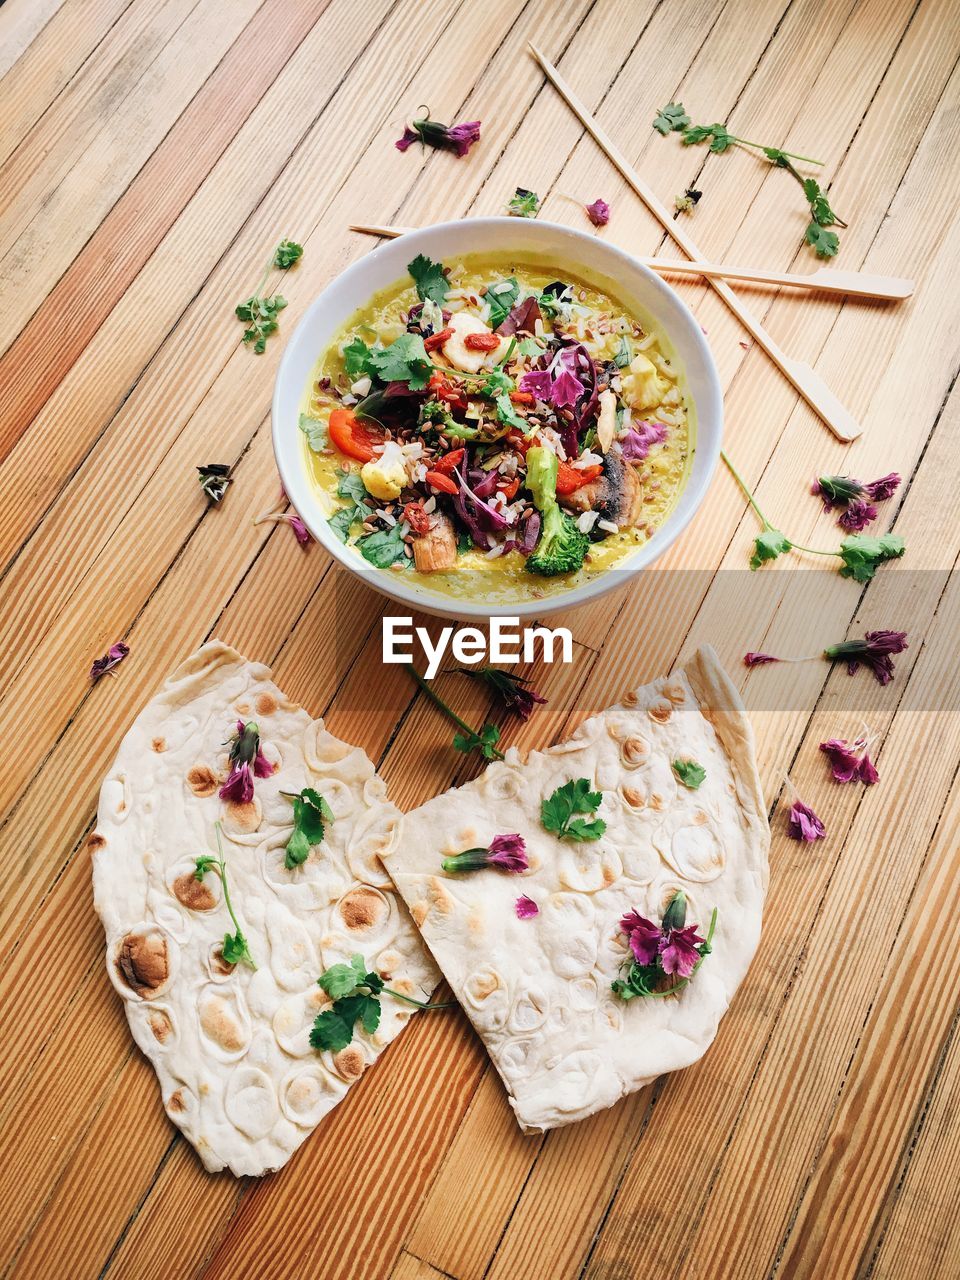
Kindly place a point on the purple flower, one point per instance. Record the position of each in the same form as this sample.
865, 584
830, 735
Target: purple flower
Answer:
644, 937
803, 823
567, 389
459, 137
300, 531
247, 761
638, 440
505, 853
858, 515
875, 651
116, 653
849, 761
511, 688
883, 488
678, 952
598, 213
526, 908
558, 384
758, 659
538, 383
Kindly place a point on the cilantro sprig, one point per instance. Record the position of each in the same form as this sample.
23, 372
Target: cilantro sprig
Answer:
558, 811
523, 203
468, 739
861, 554
431, 283
689, 773
404, 360
235, 949
310, 812
259, 312
355, 992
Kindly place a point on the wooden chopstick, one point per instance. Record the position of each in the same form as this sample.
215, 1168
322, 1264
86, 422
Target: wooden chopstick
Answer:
826, 280
803, 377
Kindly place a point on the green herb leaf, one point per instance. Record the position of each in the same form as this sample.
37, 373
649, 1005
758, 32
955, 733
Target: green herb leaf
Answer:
356, 359
331, 1031
575, 797
310, 812
485, 741
523, 203
405, 360
671, 117
501, 303
355, 993
531, 347
429, 279
382, 548
288, 252
342, 521
260, 314
689, 773
768, 545
825, 243
350, 485
862, 554
315, 429
235, 949
204, 864
506, 413
343, 979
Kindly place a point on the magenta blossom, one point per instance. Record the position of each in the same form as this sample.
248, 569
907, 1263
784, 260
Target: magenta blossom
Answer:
803, 823
598, 213
526, 908
875, 651
680, 954
459, 137
885, 487
849, 761
505, 853
672, 948
116, 653
247, 761
558, 384
300, 530
858, 515
644, 937
758, 659
638, 440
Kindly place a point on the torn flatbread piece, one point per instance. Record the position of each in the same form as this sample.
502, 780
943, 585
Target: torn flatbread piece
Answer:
230, 1043
537, 986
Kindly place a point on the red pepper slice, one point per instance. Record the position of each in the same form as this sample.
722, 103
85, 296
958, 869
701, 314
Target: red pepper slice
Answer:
449, 461
570, 479
437, 480
354, 436
437, 339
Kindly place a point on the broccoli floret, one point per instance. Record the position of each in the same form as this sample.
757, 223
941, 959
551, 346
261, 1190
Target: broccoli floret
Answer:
561, 547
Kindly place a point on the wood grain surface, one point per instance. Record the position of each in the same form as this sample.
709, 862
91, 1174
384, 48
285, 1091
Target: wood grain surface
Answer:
151, 154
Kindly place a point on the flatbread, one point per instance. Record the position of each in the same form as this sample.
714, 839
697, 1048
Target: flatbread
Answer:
231, 1046
538, 990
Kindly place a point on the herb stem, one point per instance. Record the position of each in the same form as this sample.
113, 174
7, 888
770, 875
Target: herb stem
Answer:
813, 551
447, 711
421, 1004
222, 872
745, 142
743, 485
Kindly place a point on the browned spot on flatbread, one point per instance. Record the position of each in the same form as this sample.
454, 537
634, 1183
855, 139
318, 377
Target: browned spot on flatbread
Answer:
634, 752
609, 875
193, 893
220, 1026
175, 1102
159, 744
657, 802
349, 1063
439, 896
362, 909
160, 1025
95, 841
403, 985
143, 962
243, 817
243, 708
476, 922
635, 799
485, 984
201, 780
419, 911
266, 704
661, 711
217, 962
700, 818
675, 692
630, 698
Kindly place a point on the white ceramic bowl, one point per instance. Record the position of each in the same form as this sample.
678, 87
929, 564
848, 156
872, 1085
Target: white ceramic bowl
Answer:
577, 251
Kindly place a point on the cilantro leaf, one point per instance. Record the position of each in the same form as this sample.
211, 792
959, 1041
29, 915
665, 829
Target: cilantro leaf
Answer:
768, 545
485, 741
429, 279
288, 252
689, 773
342, 521
370, 1014
671, 117
350, 485
531, 347
235, 949
343, 979
331, 1031
501, 300
862, 554
523, 203
260, 315
825, 243
382, 548
506, 413
356, 358
405, 360
574, 797
310, 812
495, 382
205, 863
315, 429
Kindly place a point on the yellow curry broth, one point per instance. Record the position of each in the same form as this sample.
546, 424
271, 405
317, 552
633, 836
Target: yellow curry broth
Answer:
662, 474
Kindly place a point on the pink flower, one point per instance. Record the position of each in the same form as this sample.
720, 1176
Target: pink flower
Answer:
644, 937
849, 761
875, 651
247, 762
678, 951
301, 533
758, 659
803, 823
116, 653
505, 853
868, 772
459, 138
526, 908
598, 213
858, 515
885, 487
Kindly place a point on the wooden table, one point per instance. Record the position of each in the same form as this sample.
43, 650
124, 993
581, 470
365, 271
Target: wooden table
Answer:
152, 154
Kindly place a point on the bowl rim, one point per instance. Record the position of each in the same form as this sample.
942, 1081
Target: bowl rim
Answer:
709, 406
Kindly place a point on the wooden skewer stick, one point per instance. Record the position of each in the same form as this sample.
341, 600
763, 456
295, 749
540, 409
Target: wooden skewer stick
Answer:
826, 280
802, 376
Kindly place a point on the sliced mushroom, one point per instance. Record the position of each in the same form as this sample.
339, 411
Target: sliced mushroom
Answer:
617, 495
607, 420
437, 548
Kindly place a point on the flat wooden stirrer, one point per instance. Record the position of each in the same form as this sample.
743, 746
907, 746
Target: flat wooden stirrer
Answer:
803, 377
826, 280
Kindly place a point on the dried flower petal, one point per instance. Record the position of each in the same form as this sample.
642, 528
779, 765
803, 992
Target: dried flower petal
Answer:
885, 487
858, 515
753, 659
519, 699
874, 651
803, 823
526, 908
300, 530
247, 761
214, 478
678, 951
868, 772
505, 853
844, 760
644, 937
598, 213
459, 138
116, 653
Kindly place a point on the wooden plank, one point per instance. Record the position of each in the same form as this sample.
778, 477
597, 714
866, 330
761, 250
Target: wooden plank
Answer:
21, 21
